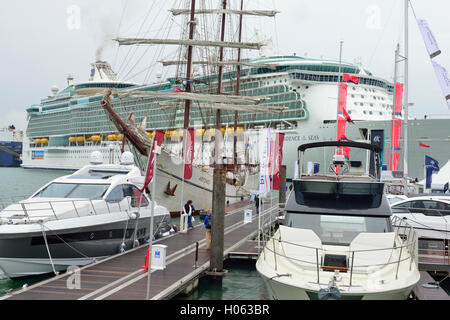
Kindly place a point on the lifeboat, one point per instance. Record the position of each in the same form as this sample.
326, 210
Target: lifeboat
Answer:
38, 141
112, 137
96, 137
44, 140
80, 139
72, 139
199, 132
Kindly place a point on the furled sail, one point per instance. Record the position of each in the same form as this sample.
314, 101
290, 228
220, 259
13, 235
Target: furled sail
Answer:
194, 97
223, 63
264, 13
188, 42
232, 107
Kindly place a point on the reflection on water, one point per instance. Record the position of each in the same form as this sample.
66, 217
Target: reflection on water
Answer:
241, 283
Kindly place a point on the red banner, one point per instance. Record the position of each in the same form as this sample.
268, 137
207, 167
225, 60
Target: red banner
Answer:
395, 156
347, 77
342, 97
341, 119
189, 153
398, 98
278, 160
157, 140
396, 131
423, 145
340, 128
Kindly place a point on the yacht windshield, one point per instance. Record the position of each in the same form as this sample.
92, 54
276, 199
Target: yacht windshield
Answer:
73, 190
335, 229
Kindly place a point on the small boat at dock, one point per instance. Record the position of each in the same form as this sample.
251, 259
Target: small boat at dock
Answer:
74, 220
338, 239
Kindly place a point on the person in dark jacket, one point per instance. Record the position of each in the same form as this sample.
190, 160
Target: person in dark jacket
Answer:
207, 223
189, 210
257, 203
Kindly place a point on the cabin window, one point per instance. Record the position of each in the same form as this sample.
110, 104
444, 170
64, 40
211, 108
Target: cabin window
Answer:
127, 190
116, 195
338, 229
73, 190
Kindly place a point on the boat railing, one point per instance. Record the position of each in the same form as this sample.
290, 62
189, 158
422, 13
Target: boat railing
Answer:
401, 254
267, 218
26, 212
4, 202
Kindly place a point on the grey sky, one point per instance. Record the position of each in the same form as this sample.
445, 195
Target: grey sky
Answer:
41, 45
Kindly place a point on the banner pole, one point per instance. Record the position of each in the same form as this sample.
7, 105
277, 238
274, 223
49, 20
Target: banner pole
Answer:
150, 244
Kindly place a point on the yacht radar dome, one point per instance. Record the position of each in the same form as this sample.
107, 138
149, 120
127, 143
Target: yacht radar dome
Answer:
127, 158
55, 90
96, 158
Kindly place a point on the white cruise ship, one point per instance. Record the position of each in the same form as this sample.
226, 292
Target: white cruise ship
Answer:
65, 128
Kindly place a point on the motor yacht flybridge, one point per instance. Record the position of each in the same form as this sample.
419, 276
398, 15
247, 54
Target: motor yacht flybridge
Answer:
74, 220
337, 240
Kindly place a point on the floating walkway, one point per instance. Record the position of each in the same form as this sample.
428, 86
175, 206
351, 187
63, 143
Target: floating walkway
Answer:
121, 276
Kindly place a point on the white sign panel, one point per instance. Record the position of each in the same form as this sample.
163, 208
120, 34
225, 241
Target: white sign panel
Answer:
428, 38
444, 81
264, 150
247, 216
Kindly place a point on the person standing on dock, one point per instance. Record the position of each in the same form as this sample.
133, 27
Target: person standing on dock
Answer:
189, 210
207, 224
257, 203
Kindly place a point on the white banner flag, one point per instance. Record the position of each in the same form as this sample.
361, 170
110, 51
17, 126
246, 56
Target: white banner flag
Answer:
296, 170
444, 81
428, 38
264, 150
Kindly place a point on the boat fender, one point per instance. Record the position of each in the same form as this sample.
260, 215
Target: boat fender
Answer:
174, 229
332, 293
122, 247
134, 215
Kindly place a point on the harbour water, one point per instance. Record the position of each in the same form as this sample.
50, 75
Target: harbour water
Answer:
17, 183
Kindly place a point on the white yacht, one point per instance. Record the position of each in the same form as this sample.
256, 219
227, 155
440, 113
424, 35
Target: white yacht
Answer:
76, 219
337, 240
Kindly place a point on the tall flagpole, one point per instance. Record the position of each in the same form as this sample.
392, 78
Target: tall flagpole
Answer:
339, 81
406, 107
150, 244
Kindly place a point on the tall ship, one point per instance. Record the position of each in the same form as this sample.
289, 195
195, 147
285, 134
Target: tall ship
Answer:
10, 147
294, 95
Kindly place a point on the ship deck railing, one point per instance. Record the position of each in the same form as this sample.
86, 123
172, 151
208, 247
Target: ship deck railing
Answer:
338, 178
405, 254
55, 209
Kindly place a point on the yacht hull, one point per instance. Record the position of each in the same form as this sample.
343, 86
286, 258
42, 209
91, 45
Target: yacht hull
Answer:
284, 291
26, 254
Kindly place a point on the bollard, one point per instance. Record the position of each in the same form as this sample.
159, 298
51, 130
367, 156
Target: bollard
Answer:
196, 256
145, 266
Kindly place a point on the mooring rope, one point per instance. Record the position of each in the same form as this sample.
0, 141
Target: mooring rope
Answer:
48, 249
